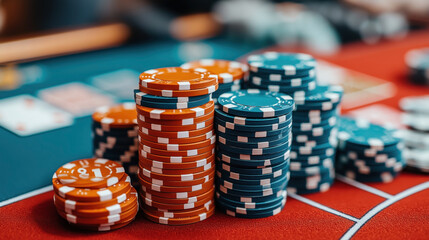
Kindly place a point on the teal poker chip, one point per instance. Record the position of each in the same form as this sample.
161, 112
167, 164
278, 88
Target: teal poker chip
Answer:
270, 197
255, 103
224, 157
380, 177
252, 171
228, 152
305, 152
221, 139
258, 182
251, 121
288, 64
251, 205
303, 189
251, 216
251, 193
322, 94
254, 140
365, 134
258, 134
138, 96
272, 80
313, 170
237, 175
244, 187
296, 91
296, 164
250, 211
253, 128
254, 151
166, 105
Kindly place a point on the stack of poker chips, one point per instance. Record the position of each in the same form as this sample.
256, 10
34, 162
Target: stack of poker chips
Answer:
176, 145
314, 140
418, 66
416, 136
252, 171
94, 194
230, 74
367, 152
313, 128
115, 136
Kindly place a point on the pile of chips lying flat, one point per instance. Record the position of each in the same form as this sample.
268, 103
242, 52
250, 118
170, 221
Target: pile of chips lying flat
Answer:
418, 65
313, 133
416, 137
115, 136
252, 171
94, 194
176, 145
368, 152
230, 73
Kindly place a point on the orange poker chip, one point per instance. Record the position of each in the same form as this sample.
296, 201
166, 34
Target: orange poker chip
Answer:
179, 221
180, 93
176, 78
177, 183
185, 153
175, 159
76, 206
178, 195
166, 189
179, 147
123, 115
91, 195
179, 134
199, 198
103, 227
175, 114
177, 171
100, 220
178, 213
227, 71
187, 165
90, 173
169, 206
175, 177
163, 140
169, 128
103, 211
180, 122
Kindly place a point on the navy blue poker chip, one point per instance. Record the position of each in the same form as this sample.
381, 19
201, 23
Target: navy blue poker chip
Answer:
285, 63
252, 134
244, 187
166, 105
252, 163
266, 144
253, 171
230, 174
230, 153
256, 205
254, 128
251, 121
246, 139
322, 94
256, 103
294, 91
277, 80
255, 151
251, 193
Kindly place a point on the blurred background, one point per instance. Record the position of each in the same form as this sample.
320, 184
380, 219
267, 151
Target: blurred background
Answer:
321, 26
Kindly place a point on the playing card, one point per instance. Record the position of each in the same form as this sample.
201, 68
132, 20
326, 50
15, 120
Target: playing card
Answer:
25, 115
76, 98
120, 83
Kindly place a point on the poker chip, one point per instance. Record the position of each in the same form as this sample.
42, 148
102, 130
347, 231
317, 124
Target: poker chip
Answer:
417, 61
176, 144
94, 194
230, 74
288, 64
253, 147
115, 138
368, 152
416, 104
255, 103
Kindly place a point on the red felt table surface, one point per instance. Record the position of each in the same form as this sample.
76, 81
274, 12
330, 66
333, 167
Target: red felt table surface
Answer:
396, 210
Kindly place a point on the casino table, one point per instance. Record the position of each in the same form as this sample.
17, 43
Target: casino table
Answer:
395, 210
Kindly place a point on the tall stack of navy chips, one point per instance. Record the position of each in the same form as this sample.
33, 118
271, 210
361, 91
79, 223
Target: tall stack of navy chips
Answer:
313, 130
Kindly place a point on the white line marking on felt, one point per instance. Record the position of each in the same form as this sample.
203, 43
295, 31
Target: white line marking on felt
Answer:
371, 213
26, 195
363, 186
322, 207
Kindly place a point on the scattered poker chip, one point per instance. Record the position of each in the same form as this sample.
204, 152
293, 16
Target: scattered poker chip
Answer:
227, 71
180, 105
90, 173
285, 63
176, 78
255, 103
110, 203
